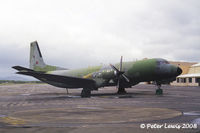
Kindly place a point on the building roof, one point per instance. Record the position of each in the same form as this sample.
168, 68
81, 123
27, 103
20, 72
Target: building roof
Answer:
189, 75
183, 65
179, 63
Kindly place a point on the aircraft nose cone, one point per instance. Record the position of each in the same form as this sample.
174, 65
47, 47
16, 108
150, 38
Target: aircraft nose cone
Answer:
179, 71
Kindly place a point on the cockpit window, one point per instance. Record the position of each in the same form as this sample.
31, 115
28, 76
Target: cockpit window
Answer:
166, 62
159, 62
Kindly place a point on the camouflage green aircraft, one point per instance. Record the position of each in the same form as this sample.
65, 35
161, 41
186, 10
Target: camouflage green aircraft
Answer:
123, 75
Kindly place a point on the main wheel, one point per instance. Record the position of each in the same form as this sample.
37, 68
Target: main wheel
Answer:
85, 93
121, 91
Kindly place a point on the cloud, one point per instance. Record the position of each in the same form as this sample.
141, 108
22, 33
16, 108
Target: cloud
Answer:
80, 33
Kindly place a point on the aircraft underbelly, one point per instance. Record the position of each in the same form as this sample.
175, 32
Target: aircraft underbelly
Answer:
61, 85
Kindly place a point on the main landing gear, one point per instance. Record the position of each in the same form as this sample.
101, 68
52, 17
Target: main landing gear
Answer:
159, 91
85, 93
121, 91
67, 91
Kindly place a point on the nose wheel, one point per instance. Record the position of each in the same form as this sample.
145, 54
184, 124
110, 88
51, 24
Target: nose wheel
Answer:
159, 91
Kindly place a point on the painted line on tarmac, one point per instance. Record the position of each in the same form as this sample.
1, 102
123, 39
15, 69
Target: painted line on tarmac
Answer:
12, 120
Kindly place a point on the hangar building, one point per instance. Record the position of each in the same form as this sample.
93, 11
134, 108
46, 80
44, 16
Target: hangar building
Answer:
190, 75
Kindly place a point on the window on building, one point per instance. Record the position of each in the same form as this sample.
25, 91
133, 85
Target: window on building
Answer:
197, 80
184, 80
190, 80
181, 80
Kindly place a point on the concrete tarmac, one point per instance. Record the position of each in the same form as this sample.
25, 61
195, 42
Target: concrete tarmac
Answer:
40, 108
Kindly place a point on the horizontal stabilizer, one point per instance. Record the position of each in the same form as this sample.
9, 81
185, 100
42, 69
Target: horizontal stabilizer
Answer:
20, 68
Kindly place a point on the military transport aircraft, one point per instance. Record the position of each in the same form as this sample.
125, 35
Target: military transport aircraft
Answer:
123, 75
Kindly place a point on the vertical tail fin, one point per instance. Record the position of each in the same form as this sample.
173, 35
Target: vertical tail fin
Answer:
36, 60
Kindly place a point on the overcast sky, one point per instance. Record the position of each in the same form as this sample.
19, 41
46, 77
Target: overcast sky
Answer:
81, 33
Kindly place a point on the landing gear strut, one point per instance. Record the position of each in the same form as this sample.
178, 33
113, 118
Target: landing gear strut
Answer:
121, 91
159, 91
67, 91
85, 93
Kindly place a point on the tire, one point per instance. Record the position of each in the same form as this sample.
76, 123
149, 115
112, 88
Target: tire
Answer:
159, 92
85, 93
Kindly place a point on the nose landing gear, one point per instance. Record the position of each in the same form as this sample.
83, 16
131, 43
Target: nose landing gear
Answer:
159, 91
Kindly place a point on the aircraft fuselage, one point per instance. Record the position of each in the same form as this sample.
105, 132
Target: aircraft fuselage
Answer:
137, 71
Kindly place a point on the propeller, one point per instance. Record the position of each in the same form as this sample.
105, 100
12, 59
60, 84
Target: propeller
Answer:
119, 73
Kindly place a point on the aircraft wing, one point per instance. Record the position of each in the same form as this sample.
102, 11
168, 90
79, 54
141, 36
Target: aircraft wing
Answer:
73, 82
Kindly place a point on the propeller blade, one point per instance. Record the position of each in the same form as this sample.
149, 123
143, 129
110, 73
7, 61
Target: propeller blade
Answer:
113, 67
120, 67
126, 78
119, 73
118, 83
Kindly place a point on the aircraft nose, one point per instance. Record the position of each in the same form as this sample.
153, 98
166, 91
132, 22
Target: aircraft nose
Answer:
179, 71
